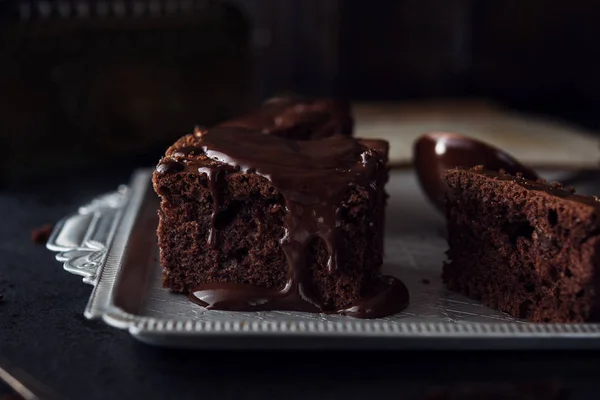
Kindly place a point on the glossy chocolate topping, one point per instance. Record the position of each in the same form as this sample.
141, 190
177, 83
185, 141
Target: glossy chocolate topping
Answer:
314, 177
436, 152
297, 118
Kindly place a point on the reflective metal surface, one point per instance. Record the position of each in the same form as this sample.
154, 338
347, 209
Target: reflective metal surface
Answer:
112, 244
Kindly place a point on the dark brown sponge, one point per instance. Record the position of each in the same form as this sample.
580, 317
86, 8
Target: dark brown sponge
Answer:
250, 226
530, 249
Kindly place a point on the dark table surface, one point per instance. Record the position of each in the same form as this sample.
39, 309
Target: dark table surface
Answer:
43, 332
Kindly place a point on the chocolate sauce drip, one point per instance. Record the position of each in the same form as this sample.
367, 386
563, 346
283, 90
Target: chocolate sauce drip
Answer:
169, 167
388, 297
297, 118
314, 178
436, 152
213, 176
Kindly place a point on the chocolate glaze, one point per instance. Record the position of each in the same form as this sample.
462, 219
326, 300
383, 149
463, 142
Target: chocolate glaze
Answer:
313, 177
170, 166
213, 181
433, 153
297, 118
388, 297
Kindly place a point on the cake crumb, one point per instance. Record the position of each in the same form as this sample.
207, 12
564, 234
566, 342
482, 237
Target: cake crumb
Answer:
199, 131
41, 234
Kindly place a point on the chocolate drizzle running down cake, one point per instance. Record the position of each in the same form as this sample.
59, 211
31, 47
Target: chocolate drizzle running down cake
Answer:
299, 118
258, 222
528, 248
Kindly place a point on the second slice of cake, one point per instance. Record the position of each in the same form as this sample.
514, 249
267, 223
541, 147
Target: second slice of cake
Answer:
527, 248
256, 222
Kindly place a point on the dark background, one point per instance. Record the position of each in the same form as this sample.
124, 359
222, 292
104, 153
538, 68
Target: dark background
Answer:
89, 90
103, 82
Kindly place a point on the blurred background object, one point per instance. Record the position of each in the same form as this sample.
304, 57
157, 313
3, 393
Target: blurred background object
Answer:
537, 55
537, 141
113, 82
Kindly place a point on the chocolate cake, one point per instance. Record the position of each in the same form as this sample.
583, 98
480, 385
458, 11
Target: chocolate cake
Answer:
296, 117
250, 221
528, 248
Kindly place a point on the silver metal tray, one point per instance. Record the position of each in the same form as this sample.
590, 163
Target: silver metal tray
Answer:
111, 242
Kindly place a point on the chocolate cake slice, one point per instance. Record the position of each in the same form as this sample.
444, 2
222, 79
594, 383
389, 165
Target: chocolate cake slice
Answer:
528, 248
250, 221
299, 118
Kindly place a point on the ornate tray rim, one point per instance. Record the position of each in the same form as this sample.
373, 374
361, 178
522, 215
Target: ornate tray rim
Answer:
99, 262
